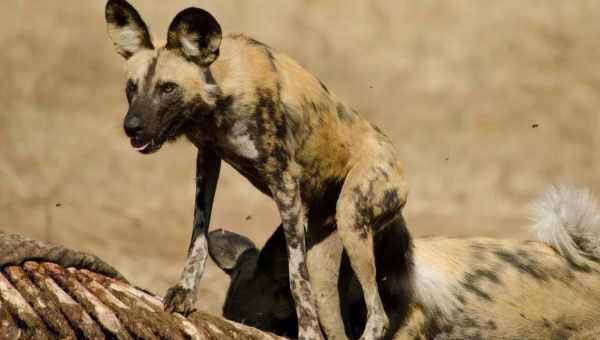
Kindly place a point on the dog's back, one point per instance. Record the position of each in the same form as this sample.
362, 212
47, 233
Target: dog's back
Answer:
491, 288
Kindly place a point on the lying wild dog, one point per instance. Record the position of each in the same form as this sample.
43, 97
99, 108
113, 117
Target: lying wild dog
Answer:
240, 101
472, 288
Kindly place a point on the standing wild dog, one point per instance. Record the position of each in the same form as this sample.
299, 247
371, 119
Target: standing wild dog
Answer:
470, 288
239, 101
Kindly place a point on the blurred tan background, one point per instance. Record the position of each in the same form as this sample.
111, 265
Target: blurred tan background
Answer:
488, 102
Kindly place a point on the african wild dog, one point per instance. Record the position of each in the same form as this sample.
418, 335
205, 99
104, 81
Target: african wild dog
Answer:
473, 288
240, 101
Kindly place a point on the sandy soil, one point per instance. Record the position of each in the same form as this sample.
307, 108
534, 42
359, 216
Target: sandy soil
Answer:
487, 102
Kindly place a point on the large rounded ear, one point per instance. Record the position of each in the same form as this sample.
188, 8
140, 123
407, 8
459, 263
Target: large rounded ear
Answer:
273, 258
126, 28
197, 34
226, 248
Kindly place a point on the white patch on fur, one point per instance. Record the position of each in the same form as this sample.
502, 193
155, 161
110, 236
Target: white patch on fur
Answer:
245, 146
194, 264
126, 39
137, 66
240, 140
189, 46
211, 91
296, 258
309, 333
568, 220
432, 290
286, 200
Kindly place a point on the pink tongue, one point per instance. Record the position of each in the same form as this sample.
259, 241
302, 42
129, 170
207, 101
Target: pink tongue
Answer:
141, 147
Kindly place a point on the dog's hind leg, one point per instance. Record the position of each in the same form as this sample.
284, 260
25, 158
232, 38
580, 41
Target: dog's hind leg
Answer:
372, 196
323, 261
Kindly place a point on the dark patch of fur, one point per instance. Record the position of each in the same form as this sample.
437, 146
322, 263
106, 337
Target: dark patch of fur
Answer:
393, 261
321, 206
247, 170
486, 274
523, 263
259, 294
257, 43
364, 213
563, 330
470, 284
200, 24
270, 129
379, 130
324, 87
208, 167
223, 104
431, 329
365, 217
130, 90
150, 75
559, 329
120, 18
260, 291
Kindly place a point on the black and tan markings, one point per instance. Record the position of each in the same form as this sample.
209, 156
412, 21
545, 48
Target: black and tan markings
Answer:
454, 288
502, 289
182, 296
279, 126
559, 301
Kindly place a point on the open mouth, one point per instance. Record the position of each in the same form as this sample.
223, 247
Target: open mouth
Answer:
144, 147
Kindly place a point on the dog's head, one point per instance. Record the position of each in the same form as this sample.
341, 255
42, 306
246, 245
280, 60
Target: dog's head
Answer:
168, 87
259, 293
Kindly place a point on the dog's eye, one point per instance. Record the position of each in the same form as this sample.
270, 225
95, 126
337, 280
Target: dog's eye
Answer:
168, 88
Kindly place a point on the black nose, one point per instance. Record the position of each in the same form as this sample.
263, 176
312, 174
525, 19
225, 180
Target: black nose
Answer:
132, 125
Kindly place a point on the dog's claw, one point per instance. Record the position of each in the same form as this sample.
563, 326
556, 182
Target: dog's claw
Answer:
180, 300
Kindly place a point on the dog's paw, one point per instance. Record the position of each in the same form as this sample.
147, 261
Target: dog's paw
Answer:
180, 300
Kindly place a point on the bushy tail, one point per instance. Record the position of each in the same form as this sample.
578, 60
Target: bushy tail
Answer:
568, 219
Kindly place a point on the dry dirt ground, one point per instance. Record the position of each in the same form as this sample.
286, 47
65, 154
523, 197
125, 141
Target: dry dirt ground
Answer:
488, 102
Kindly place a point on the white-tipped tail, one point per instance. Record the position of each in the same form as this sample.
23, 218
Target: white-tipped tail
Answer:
568, 219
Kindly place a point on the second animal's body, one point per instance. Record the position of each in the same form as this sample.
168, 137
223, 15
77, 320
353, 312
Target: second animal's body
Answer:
460, 288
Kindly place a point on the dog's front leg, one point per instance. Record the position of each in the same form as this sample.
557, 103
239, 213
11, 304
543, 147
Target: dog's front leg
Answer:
182, 297
287, 197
